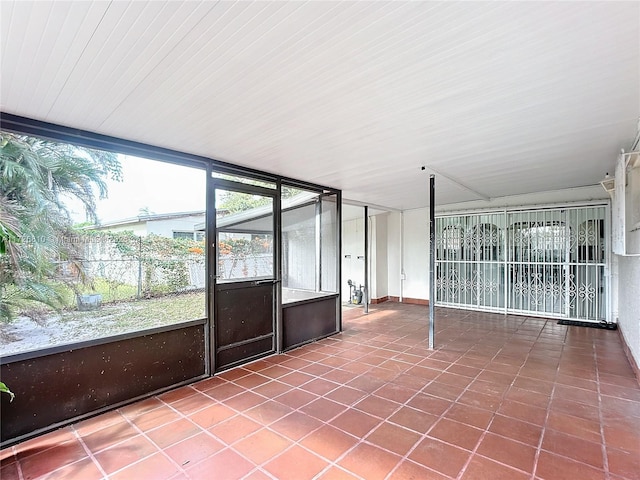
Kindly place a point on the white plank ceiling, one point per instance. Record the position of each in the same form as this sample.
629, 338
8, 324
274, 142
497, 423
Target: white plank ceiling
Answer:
495, 98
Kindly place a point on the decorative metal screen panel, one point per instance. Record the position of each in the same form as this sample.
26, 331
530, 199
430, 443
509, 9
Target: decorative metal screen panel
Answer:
586, 289
546, 262
470, 261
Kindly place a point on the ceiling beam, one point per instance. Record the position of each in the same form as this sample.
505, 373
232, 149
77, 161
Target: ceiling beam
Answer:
458, 182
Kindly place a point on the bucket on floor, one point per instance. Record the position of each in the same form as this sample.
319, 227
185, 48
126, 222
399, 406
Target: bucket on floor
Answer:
89, 302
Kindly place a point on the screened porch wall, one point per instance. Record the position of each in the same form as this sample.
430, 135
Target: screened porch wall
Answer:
549, 262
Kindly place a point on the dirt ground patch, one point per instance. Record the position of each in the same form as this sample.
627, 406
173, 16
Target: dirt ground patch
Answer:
24, 334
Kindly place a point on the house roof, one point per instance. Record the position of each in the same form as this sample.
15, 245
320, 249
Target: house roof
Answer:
494, 98
145, 218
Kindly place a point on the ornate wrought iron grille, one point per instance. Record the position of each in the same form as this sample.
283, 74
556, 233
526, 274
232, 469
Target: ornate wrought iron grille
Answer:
547, 262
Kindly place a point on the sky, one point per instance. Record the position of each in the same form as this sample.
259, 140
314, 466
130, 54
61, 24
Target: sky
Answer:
160, 187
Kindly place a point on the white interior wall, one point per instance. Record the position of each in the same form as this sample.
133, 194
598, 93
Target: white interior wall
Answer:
394, 266
374, 280
407, 254
628, 271
629, 303
415, 253
379, 262
353, 255
352, 248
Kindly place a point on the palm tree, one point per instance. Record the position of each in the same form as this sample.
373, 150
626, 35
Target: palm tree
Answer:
36, 176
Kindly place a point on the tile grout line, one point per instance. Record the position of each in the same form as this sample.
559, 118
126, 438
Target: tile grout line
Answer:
260, 467
18, 463
89, 452
605, 456
361, 440
502, 398
426, 434
453, 402
227, 445
146, 437
546, 419
334, 463
298, 443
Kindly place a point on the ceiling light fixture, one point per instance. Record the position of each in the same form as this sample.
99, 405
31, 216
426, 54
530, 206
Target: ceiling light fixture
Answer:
608, 183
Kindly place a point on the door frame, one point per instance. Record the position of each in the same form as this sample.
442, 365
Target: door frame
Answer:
212, 257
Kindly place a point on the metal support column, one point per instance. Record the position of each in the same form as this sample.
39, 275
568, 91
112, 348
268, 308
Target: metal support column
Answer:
366, 259
319, 244
432, 259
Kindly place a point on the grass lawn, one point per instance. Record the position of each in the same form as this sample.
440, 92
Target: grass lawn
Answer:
143, 313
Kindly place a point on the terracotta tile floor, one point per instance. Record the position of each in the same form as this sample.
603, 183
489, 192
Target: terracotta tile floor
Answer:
502, 397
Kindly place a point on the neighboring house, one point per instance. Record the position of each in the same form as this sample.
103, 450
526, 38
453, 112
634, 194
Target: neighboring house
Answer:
170, 225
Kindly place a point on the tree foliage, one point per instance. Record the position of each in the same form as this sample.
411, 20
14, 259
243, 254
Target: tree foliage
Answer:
36, 177
155, 264
236, 202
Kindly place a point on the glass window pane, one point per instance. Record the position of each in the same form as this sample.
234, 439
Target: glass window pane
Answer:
245, 180
245, 236
309, 244
114, 252
329, 244
299, 247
